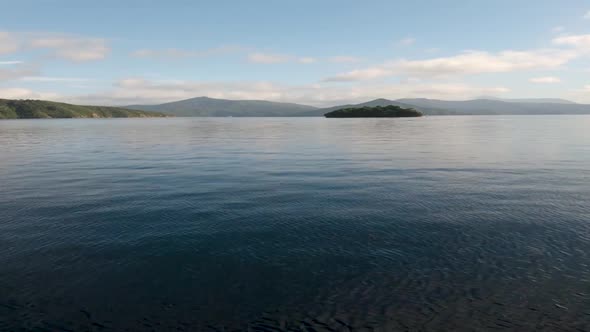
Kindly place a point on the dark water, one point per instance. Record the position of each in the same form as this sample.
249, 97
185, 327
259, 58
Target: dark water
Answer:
432, 224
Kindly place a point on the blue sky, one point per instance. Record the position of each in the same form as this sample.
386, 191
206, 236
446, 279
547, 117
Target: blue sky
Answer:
313, 52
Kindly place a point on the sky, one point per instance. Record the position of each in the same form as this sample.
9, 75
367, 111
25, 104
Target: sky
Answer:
319, 52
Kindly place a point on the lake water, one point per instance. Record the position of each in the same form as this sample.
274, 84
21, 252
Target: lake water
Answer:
295, 224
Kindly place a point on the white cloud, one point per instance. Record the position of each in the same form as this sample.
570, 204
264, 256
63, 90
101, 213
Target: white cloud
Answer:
175, 53
581, 42
582, 95
167, 53
53, 79
307, 60
362, 74
558, 29
20, 93
545, 80
134, 82
268, 58
72, 47
587, 15
12, 62
69, 47
343, 59
255, 57
142, 91
8, 43
407, 41
17, 72
471, 62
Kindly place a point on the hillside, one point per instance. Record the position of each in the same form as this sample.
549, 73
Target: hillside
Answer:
204, 106
41, 109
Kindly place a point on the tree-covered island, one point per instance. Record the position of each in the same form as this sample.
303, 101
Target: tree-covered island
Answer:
390, 111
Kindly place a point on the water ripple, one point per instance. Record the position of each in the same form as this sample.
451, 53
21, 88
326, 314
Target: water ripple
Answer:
437, 224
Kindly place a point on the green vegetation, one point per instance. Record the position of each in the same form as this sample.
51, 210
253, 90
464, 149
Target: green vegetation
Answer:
40, 109
390, 111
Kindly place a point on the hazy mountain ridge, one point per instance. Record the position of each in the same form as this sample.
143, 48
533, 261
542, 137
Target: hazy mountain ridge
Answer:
382, 102
42, 109
498, 107
530, 100
205, 106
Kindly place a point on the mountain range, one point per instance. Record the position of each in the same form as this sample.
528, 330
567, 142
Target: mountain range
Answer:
41, 109
204, 106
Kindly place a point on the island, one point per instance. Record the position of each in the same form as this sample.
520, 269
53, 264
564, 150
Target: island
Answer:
390, 111
41, 109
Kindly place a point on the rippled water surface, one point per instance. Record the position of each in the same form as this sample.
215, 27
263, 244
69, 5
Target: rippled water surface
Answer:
296, 224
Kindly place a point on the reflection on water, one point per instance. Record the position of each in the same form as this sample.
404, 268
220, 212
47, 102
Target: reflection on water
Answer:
277, 224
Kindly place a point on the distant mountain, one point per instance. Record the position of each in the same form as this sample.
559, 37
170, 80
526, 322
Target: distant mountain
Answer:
41, 109
531, 100
378, 102
497, 107
204, 106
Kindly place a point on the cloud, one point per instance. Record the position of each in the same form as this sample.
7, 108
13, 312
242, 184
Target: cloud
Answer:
137, 82
470, 62
63, 46
406, 41
20, 93
139, 90
587, 15
558, 29
343, 59
255, 57
362, 74
580, 95
580, 42
8, 43
268, 58
53, 79
17, 72
545, 80
8, 63
72, 48
175, 53
307, 60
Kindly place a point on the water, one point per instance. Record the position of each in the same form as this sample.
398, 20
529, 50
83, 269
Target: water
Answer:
300, 224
